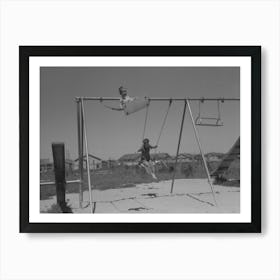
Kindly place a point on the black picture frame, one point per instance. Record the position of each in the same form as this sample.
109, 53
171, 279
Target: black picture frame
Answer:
25, 52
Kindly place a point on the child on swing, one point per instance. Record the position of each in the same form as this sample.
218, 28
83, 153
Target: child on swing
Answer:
146, 158
129, 104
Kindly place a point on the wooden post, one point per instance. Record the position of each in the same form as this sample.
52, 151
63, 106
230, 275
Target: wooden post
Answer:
59, 171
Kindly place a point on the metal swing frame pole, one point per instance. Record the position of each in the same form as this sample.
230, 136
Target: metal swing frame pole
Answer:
87, 157
201, 152
80, 151
178, 147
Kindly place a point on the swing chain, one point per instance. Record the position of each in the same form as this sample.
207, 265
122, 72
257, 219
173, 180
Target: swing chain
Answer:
164, 121
219, 112
146, 117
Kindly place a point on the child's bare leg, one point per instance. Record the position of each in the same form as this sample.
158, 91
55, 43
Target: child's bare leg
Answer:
146, 166
152, 170
153, 167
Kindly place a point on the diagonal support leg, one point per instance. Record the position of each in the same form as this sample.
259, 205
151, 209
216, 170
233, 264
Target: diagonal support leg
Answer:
178, 147
92, 205
201, 152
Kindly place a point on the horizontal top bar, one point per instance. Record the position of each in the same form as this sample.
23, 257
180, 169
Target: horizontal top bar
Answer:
158, 99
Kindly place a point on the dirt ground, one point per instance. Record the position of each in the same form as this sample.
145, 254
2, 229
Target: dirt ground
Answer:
189, 196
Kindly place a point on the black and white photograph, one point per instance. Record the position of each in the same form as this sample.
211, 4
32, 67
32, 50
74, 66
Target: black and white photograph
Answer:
142, 147
133, 135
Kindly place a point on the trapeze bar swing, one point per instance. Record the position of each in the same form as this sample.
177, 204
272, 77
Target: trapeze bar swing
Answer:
82, 136
209, 121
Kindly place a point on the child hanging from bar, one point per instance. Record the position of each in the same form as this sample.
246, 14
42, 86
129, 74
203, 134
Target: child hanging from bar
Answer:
129, 104
123, 100
146, 158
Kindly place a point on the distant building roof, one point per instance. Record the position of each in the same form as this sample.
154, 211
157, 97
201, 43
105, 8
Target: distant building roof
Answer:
197, 156
185, 155
136, 156
160, 156
130, 157
89, 155
219, 155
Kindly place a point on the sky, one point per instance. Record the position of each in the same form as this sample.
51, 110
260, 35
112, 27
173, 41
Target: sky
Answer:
111, 133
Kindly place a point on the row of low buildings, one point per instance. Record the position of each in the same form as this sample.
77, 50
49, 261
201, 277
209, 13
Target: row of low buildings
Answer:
128, 160
73, 165
133, 159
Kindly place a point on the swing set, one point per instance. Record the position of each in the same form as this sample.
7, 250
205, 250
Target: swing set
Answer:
199, 121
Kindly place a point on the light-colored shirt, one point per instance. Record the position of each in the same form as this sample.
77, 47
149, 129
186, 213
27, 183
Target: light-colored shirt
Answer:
123, 101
